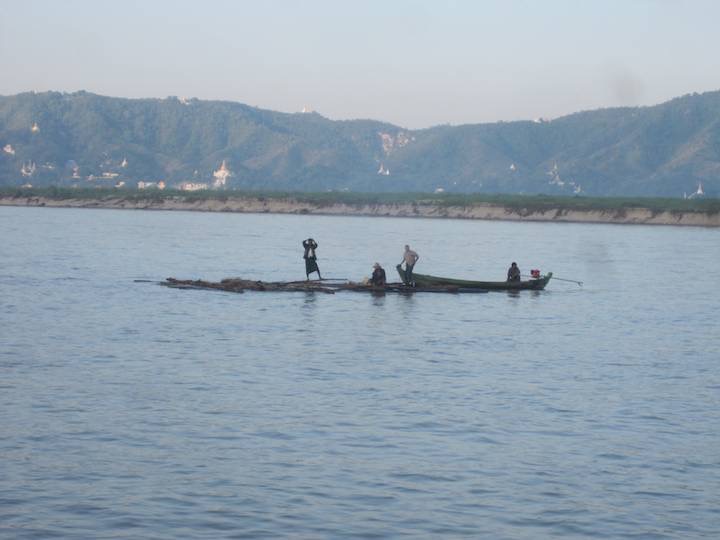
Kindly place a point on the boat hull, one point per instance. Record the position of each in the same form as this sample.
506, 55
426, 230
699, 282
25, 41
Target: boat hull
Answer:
422, 280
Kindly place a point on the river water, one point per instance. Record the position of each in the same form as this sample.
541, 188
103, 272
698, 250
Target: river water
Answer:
130, 410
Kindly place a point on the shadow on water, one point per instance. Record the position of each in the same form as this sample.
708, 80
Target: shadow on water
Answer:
309, 300
308, 307
408, 298
518, 294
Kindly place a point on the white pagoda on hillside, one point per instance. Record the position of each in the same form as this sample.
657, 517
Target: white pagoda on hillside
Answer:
221, 175
698, 193
28, 169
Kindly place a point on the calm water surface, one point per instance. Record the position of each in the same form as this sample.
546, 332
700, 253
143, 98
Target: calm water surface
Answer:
129, 410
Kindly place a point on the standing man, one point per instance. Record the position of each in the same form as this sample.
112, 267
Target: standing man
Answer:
409, 258
311, 266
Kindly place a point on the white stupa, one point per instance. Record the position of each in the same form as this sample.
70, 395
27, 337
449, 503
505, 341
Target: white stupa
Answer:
221, 175
699, 192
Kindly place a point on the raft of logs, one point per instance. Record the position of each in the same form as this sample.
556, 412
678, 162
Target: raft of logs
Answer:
238, 285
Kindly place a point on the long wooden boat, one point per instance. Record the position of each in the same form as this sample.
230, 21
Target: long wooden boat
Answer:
422, 280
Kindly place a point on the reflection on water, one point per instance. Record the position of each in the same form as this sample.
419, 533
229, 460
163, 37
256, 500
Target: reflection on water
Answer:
309, 299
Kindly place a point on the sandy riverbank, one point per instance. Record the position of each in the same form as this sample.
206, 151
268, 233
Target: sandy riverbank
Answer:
476, 211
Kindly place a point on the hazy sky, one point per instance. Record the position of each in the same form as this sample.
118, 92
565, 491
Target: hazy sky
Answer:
412, 63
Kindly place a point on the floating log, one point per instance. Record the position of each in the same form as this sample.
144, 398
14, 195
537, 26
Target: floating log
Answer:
239, 285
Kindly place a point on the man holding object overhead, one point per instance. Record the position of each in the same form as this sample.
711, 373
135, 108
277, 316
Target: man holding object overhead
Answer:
311, 266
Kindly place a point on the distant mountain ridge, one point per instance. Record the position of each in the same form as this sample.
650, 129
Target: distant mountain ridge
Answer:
85, 139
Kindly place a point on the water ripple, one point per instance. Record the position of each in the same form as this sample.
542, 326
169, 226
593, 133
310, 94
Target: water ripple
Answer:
133, 411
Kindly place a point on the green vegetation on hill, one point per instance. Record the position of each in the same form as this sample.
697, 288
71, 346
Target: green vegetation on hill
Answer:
87, 140
529, 202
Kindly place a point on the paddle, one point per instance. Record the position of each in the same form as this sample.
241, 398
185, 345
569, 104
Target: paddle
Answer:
559, 279
570, 280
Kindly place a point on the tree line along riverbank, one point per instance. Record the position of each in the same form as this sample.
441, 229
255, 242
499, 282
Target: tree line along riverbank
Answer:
661, 211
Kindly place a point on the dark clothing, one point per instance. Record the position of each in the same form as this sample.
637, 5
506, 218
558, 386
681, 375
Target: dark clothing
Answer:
513, 274
409, 273
311, 266
378, 278
310, 247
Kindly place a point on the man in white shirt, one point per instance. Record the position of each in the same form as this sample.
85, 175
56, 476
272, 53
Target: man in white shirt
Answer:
409, 258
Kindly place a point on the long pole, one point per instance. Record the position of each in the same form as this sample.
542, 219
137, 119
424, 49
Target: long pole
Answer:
560, 279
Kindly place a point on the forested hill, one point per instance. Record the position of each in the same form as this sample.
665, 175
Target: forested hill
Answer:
85, 139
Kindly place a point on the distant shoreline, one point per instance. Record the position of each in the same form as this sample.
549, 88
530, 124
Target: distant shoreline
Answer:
290, 205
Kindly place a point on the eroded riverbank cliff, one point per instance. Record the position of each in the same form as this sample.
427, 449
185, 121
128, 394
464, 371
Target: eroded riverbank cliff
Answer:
483, 211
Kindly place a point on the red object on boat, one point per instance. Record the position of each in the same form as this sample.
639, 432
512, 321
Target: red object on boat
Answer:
535, 273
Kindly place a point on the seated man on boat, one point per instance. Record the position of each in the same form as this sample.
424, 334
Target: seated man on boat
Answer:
378, 278
410, 257
513, 273
310, 257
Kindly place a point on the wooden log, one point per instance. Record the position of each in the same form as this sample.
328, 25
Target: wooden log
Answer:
239, 285
198, 284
